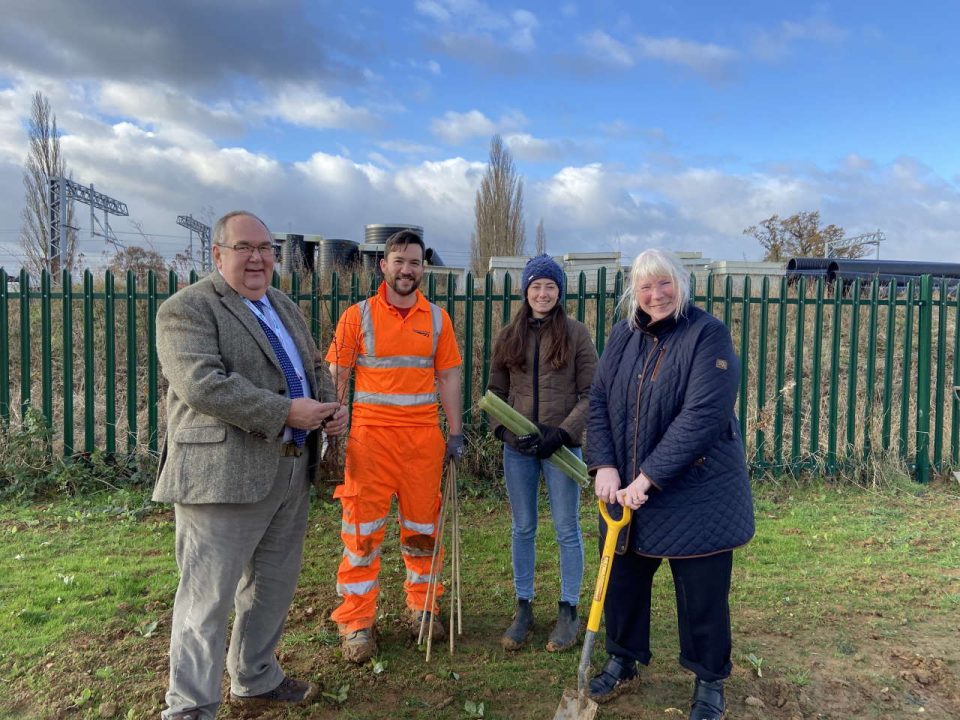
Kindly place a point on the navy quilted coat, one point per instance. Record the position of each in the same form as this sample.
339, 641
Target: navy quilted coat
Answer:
662, 402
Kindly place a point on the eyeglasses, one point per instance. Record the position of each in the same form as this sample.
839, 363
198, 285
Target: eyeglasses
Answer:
265, 250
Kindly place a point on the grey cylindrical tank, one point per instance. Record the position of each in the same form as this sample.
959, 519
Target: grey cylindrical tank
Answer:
378, 234
336, 254
291, 251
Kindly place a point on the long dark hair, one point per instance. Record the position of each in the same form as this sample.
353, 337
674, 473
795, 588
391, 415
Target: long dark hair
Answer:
511, 351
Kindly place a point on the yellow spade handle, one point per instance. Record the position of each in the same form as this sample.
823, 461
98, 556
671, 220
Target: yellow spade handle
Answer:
603, 574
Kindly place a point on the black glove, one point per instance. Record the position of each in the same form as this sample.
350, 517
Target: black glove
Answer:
511, 439
528, 444
455, 448
551, 439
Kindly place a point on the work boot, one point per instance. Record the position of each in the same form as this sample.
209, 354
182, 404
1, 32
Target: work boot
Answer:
359, 646
618, 674
519, 632
416, 617
290, 690
707, 703
567, 629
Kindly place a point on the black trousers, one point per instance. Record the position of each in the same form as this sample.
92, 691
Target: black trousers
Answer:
702, 587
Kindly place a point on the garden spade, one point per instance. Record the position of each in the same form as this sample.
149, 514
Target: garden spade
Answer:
578, 705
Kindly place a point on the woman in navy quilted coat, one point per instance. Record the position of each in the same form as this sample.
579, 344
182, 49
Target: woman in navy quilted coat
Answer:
663, 439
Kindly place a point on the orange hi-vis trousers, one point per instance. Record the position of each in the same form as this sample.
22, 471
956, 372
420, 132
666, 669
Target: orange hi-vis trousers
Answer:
383, 463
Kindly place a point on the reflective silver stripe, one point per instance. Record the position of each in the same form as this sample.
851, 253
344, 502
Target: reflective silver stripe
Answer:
357, 588
422, 528
437, 317
361, 560
365, 528
396, 361
411, 551
370, 343
372, 398
366, 326
413, 577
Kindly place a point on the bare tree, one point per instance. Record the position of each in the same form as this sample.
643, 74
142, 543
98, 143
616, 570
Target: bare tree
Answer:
498, 210
800, 235
140, 260
541, 244
44, 162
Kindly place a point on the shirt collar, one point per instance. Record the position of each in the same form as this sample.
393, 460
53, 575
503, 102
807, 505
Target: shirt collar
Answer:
421, 304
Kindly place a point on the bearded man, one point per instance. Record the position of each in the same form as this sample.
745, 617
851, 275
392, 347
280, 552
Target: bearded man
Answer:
404, 354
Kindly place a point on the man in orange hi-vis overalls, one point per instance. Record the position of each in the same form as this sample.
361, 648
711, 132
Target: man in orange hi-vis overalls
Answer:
403, 352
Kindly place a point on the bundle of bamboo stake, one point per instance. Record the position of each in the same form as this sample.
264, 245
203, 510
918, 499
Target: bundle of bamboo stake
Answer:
572, 466
449, 506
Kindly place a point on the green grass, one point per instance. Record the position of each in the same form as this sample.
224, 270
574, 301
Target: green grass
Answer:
839, 582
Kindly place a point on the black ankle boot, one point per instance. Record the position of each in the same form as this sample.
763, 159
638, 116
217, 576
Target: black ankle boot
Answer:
617, 675
567, 629
707, 703
517, 635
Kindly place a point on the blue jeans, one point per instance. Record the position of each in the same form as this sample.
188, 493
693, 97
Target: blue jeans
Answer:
522, 474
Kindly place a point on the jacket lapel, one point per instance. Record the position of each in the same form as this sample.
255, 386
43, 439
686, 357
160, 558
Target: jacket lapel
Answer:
293, 325
233, 302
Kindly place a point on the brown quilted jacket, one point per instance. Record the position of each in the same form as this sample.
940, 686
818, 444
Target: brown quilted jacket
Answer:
544, 394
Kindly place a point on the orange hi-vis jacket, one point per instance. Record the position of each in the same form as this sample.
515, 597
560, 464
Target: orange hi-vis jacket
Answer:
395, 359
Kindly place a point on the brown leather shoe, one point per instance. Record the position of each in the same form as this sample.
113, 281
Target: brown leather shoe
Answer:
289, 691
360, 645
415, 618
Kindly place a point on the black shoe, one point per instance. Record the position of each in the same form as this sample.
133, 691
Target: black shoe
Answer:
618, 674
567, 629
519, 632
288, 691
707, 703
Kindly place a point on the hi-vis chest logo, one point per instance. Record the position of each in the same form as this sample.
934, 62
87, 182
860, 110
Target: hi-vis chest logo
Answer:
721, 364
425, 333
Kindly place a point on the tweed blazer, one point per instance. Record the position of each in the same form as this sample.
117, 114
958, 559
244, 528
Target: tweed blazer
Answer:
227, 401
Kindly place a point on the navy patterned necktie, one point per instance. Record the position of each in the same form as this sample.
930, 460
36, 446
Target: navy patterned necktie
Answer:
294, 385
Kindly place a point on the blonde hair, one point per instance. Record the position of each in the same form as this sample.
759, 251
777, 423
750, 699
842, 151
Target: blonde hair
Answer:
649, 264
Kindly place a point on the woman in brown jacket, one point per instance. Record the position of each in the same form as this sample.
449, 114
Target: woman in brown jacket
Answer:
543, 364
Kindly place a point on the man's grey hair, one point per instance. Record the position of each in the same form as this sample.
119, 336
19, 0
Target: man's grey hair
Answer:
220, 227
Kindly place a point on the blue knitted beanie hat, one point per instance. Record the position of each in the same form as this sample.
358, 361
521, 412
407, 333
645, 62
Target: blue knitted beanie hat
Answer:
542, 267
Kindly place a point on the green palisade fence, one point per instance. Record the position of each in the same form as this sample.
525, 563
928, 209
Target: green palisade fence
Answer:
827, 379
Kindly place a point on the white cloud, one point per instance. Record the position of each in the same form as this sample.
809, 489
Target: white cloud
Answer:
474, 28
455, 128
525, 146
774, 44
705, 59
308, 106
521, 34
601, 46
186, 120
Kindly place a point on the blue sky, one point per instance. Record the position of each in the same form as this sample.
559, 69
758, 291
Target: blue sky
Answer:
633, 124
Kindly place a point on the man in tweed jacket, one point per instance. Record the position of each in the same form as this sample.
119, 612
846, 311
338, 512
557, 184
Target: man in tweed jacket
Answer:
244, 387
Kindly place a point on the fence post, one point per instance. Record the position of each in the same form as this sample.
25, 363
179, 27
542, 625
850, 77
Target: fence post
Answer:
46, 347
89, 432
467, 376
4, 348
601, 308
131, 298
110, 361
924, 351
66, 289
153, 371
